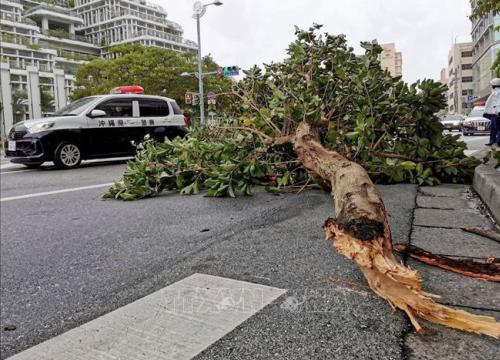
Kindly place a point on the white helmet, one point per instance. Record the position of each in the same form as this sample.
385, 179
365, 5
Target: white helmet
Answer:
495, 82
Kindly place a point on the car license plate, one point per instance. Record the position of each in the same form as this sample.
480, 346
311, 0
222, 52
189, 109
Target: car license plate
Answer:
481, 128
11, 146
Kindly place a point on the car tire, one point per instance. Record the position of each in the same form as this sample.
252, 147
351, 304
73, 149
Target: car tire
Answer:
33, 166
68, 155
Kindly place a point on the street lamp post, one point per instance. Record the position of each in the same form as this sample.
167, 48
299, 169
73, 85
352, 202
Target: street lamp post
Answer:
199, 10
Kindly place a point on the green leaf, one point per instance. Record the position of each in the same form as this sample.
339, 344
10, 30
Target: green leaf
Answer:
353, 135
408, 165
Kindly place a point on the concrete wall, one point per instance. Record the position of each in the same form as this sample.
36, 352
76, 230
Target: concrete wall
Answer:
6, 115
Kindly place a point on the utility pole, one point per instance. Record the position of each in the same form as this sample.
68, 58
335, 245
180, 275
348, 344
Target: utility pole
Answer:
200, 73
199, 10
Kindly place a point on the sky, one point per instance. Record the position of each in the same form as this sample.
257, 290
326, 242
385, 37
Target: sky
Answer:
248, 32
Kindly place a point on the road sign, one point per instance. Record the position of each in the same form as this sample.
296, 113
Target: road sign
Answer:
231, 71
196, 98
188, 97
220, 72
471, 98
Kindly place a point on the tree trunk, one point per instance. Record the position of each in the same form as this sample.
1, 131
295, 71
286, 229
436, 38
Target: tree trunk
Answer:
361, 232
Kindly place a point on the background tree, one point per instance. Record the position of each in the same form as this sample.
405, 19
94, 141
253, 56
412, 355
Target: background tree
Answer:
19, 102
46, 101
484, 7
156, 69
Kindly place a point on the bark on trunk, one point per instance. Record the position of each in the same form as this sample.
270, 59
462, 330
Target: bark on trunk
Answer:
489, 271
361, 232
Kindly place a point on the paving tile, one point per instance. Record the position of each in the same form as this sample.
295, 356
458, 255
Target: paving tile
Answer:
448, 190
450, 218
454, 242
457, 289
443, 202
440, 342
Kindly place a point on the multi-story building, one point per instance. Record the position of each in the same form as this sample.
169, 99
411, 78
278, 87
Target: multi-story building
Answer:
443, 76
113, 22
486, 46
460, 79
391, 60
42, 44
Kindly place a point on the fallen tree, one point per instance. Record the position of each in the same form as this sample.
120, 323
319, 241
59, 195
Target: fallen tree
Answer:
329, 117
361, 232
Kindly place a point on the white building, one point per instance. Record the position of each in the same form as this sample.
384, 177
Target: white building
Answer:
391, 60
112, 22
41, 45
486, 47
460, 80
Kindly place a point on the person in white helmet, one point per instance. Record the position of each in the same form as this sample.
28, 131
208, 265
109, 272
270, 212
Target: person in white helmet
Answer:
492, 112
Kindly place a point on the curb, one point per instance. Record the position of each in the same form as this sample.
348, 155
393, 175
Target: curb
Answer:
487, 185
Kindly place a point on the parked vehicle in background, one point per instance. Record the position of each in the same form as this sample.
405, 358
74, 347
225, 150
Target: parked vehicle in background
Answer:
94, 127
452, 122
475, 123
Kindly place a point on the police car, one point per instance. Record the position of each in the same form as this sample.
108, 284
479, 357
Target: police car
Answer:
95, 127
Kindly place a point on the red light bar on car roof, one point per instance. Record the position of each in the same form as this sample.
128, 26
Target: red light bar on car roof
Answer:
130, 89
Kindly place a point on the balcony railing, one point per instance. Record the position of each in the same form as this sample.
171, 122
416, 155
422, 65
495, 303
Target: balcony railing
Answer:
165, 36
75, 56
53, 8
63, 34
149, 4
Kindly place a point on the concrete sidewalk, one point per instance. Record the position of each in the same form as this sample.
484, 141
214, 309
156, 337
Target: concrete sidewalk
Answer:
440, 213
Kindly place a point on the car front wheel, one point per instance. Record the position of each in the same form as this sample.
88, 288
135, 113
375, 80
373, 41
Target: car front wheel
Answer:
67, 155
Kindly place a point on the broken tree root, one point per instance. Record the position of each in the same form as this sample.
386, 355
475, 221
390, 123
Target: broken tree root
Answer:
487, 233
483, 271
361, 232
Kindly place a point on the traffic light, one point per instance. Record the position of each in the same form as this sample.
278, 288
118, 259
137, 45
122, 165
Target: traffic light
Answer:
231, 70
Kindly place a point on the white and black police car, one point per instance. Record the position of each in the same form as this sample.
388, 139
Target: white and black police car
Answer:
95, 127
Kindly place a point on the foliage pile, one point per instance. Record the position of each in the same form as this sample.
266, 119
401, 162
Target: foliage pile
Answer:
358, 109
223, 161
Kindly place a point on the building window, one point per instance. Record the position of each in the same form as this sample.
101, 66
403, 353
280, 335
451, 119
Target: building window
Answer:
466, 66
466, 53
467, 79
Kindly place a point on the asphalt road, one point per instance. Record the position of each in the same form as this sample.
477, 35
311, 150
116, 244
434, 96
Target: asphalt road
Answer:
474, 143
69, 257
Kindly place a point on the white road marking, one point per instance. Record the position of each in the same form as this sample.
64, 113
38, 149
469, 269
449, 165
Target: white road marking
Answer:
50, 163
9, 166
27, 196
15, 172
176, 322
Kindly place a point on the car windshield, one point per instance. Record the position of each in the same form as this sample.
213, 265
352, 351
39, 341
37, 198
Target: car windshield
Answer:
75, 108
476, 113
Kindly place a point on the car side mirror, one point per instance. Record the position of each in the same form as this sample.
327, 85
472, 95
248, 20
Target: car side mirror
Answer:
97, 113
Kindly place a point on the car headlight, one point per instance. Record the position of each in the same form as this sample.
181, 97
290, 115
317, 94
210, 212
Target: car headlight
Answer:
40, 127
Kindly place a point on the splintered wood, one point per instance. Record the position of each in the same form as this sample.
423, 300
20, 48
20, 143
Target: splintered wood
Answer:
361, 232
